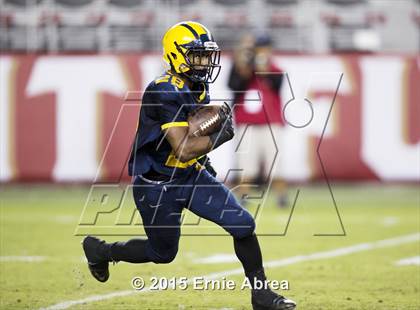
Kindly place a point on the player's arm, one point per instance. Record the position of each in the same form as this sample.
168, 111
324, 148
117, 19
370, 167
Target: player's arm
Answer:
187, 147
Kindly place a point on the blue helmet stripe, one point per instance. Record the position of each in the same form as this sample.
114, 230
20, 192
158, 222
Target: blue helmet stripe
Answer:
192, 30
204, 37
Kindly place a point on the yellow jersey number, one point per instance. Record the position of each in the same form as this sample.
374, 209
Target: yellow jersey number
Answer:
176, 81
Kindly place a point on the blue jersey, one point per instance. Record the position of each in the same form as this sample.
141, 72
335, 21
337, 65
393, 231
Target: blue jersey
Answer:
166, 103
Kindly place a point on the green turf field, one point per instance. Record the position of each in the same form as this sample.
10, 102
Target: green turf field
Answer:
324, 272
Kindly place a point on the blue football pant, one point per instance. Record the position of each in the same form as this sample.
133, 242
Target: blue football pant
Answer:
161, 205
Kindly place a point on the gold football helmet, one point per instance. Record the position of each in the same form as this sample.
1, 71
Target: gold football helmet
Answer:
190, 50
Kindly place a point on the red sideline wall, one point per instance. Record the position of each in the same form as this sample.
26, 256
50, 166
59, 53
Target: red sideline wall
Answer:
73, 117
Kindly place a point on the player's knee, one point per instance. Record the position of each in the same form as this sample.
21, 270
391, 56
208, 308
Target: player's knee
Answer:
244, 227
165, 257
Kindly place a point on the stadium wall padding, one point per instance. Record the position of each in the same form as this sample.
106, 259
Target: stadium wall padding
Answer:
73, 117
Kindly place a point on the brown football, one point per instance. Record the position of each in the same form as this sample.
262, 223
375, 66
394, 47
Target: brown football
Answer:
205, 120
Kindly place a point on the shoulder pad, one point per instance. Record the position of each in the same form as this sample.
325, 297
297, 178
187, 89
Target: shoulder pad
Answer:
163, 91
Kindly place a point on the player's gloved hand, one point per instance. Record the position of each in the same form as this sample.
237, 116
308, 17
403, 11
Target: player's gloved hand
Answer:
225, 134
225, 112
210, 169
205, 161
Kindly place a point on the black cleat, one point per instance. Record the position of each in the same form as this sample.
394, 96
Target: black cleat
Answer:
98, 265
266, 299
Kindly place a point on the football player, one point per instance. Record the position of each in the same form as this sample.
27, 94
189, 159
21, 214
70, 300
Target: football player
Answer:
171, 171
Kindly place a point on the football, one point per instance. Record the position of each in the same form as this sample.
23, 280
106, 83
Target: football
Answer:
205, 120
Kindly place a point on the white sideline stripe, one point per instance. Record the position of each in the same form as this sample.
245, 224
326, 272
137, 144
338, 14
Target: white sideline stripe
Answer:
276, 263
22, 258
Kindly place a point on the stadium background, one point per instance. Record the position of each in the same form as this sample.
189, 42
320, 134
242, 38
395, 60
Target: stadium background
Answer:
71, 78
75, 62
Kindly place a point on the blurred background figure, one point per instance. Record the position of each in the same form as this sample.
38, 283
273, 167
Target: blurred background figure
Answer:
256, 82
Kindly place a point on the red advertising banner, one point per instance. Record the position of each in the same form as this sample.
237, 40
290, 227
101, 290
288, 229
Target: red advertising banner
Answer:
73, 117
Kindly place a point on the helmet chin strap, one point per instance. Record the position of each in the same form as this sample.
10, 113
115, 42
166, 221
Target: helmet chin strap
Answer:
199, 76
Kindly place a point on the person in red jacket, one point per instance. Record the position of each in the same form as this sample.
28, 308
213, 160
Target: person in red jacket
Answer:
256, 82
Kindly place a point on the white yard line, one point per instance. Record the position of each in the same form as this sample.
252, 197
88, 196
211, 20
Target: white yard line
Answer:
216, 259
409, 261
390, 221
361, 247
31, 259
